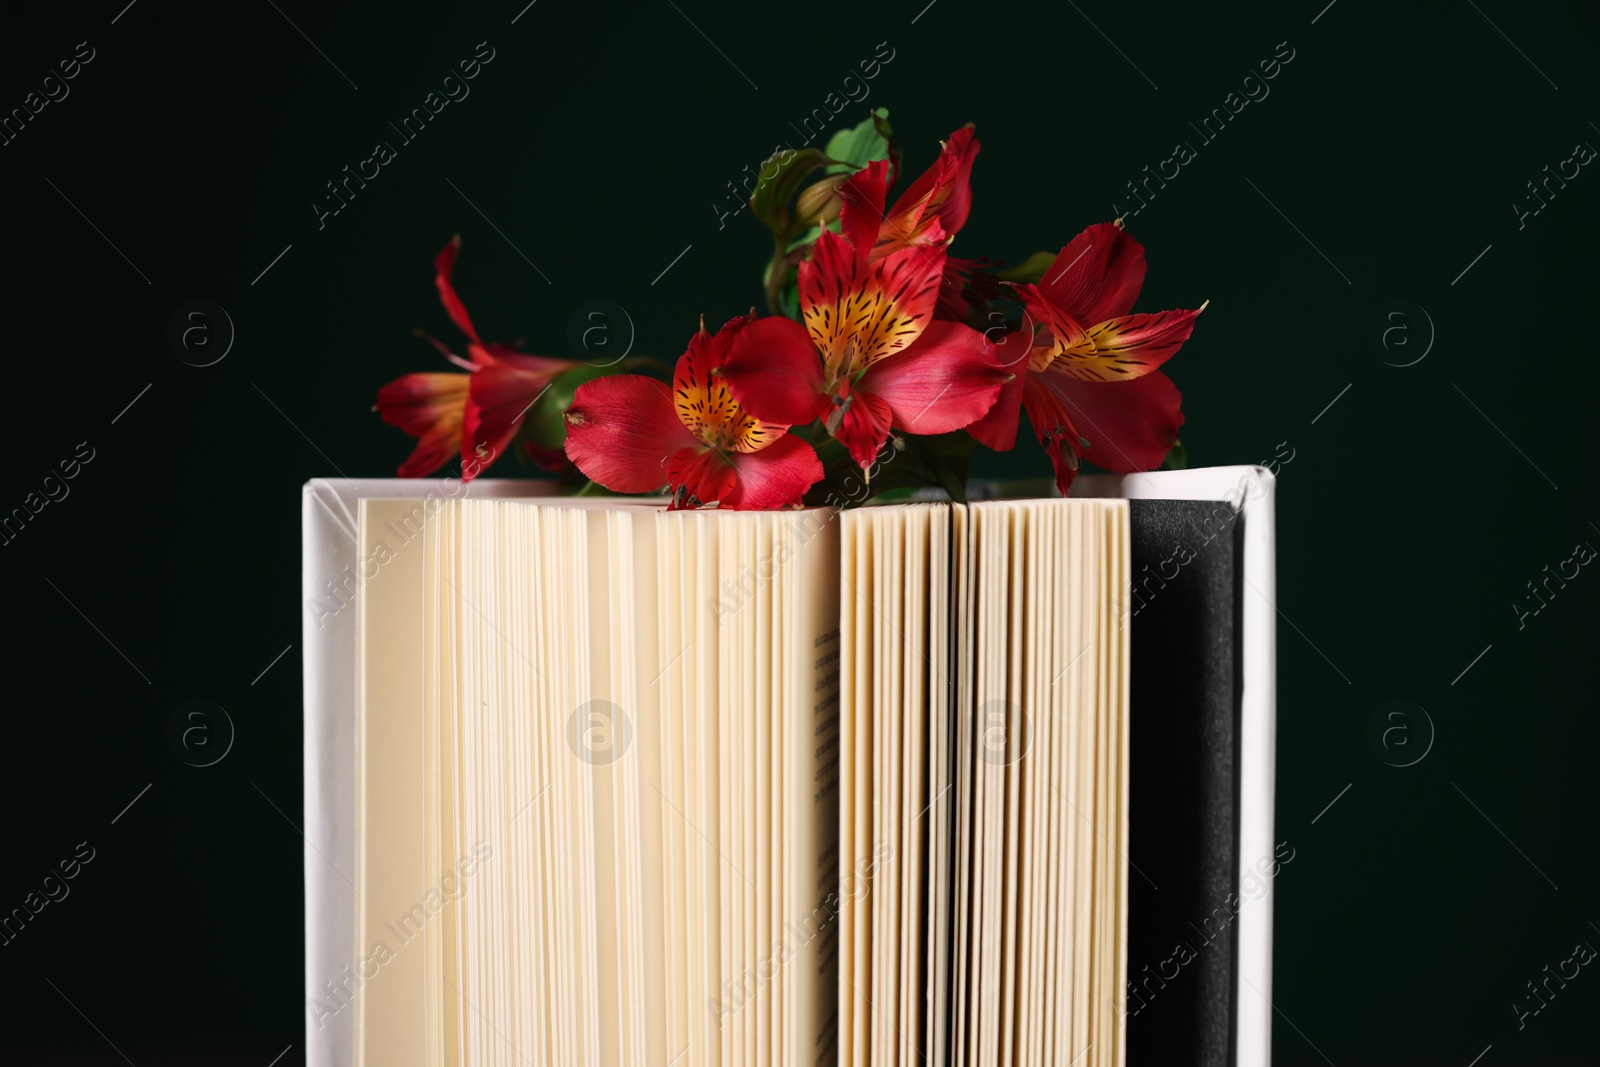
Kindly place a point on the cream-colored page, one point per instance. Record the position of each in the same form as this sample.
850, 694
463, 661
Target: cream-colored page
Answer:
1033, 640
668, 687
893, 604
705, 816
883, 664
730, 839
961, 959
555, 806
863, 854
854, 672
995, 596
750, 710
641, 586
1016, 813
940, 790
779, 905
914, 763
972, 932
391, 875
1057, 660
1104, 858
529, 758
1122, 559
444, 976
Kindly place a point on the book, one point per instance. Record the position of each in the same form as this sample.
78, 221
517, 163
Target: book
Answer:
788, 787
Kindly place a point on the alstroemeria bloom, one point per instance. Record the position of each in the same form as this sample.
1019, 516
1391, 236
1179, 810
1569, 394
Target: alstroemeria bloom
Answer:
474, 414
930, 212
870, 357
429, 407
1089, 377
632, 434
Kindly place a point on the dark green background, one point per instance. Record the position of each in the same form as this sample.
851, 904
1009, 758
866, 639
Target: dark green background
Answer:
598, 140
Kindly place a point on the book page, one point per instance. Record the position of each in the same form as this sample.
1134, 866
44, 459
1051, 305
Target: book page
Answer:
392, 900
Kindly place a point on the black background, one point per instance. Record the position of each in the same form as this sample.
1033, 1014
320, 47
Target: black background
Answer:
597, 141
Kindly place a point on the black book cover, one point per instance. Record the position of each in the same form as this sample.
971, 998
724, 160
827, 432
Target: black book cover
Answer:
1184, 605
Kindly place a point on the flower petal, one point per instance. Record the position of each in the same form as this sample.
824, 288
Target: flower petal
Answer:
777, 476
703, 400
444, 265
542, 366
861, 422
1131, 346
429, 407
1097, 276
862, 215
620, 431
858, 313
704, 475
939, 200
998, 429
774, 371
947, 380
554, 460
499, 397
1115, 350
1128, 426
1052, 425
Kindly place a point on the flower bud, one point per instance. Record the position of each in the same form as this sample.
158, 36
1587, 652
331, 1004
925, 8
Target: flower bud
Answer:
819, 202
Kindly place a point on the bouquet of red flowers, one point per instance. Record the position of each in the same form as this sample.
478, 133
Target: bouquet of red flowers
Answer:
883, 362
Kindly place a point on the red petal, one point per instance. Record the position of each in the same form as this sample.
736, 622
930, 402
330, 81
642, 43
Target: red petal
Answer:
543, 366
1053, 426
858, 313
1130, 426
705, 474
1132, 346
553, 460
704, 401
620, 431
955, 204
998, 429
939, 200
444, 265
1063, 333
863, 194
953, 303
1115, 350
429, 407
947, 380
1098, 276
863, 426
500, 396
777, 476
774, 371
416, 402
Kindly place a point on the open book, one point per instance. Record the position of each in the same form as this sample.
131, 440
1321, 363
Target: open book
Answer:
810, 787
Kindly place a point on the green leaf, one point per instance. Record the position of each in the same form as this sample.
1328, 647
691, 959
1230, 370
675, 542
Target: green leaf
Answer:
1029, 271
1177, 457
781, 177
859, 145
906, 462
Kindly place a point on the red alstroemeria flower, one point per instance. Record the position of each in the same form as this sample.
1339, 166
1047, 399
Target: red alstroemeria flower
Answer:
870, 357
1089, 377
632, 435
429, 407
931, 211
474, 414
503, 388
